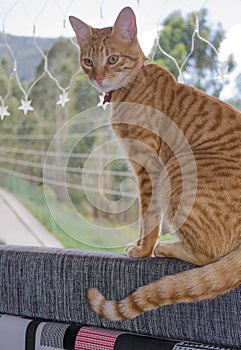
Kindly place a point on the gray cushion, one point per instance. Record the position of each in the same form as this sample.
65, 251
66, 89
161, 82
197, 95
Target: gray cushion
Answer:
52, 283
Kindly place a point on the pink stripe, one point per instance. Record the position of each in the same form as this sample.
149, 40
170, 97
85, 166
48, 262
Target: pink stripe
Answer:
93, 338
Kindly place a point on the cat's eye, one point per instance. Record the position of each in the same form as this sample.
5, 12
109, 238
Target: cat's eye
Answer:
88, 62
113, 59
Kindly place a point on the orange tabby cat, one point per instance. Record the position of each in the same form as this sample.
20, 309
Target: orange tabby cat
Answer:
210, 233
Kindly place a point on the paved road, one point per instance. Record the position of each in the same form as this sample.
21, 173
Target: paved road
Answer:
19, 227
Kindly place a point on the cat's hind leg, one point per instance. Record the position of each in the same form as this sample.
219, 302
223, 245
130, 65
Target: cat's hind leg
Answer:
182, 251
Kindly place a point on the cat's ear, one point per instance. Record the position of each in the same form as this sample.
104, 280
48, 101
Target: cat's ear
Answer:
125, 25
82, 30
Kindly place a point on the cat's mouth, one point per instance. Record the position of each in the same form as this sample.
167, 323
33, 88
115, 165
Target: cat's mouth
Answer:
103, 86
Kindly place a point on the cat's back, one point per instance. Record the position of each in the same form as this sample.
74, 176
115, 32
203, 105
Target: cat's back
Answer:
153, 86
208, 123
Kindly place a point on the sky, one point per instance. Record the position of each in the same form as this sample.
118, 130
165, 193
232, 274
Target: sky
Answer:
20, 16
49, 18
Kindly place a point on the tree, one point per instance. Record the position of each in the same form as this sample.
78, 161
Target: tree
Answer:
35, 130
63, 64
177, 37
4, 69
236, 99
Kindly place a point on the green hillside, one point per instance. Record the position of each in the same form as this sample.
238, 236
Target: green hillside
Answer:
24, 49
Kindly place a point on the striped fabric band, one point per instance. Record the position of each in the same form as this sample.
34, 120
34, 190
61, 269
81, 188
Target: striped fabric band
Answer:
30, 335
19, 333
53, 335
192, 346
12, 332
92, 338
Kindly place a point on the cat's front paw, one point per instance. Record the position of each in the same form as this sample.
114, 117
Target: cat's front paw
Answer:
137, 251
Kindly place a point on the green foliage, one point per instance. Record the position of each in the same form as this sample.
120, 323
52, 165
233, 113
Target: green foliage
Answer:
236, 99
176, 39
33, 198
63, 63
4, 69
83, 95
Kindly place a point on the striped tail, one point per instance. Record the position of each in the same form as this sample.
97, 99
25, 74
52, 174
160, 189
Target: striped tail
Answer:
194, 285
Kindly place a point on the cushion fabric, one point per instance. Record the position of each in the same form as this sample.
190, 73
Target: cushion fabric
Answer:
51, 283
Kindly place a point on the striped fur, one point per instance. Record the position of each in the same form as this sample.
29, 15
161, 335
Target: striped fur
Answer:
209, 234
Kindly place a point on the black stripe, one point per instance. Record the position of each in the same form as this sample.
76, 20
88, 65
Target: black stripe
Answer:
30, 335
70, 336
140, 342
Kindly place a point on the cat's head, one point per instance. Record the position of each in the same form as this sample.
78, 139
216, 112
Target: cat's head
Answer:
110, 57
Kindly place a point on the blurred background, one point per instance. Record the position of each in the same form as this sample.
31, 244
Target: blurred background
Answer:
42, 88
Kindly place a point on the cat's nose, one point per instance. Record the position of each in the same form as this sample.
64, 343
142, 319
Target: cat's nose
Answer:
99, 79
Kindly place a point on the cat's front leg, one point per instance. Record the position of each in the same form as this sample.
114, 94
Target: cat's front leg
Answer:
144, 247
149, 216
